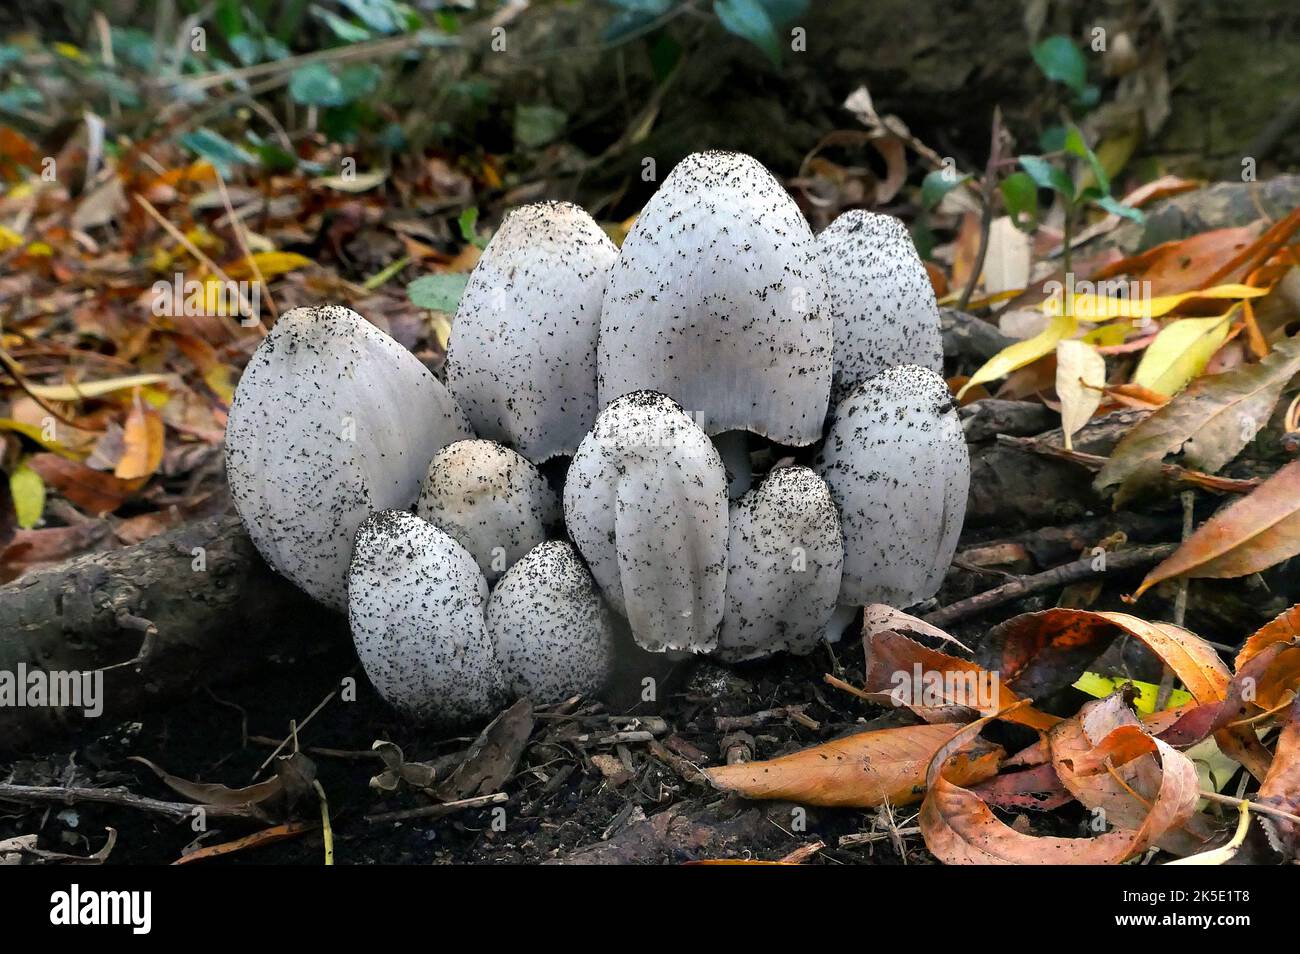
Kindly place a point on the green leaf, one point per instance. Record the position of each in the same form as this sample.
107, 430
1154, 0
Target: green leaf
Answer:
1048, 176
382, 16
315, 85
1060, 60
937, 184
1020, 192
130, 45
1075, 145
359, 80
216, 148
782, 12
345, 30
467, 221
1116, 207
437, 292
247, 49
537, 125
28, 491
749, 19
17, 99
9, 55
1052, 139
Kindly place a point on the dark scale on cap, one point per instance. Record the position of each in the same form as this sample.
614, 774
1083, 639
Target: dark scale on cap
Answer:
493, 502
646, 503
718, 300
879, 297
331, 420
553, 634
522, 355
785, 555
896, 462
415, 603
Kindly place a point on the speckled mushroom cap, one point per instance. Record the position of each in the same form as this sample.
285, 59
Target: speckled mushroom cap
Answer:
897, 466
416, 602
783, 567
880, 299
490, 500
645, 500
717, 300
522, 354
331, 421
553, 634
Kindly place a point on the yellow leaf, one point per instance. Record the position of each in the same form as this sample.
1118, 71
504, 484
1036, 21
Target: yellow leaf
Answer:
69, 51
40, 249
1107, 336
269, 264
1148, 693
1023, 352
38, 435
1080, 375
1093, 306
1180, 352
9, 238
94, 389
218, 378
28, 492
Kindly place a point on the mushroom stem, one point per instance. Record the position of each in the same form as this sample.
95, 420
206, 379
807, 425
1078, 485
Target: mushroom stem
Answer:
733, 448
840, 620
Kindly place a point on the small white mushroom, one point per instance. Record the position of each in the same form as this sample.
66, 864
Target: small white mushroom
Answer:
783, 567
879, 297
553, 634
331, 421
896, 462
522, 354
646, 502
492, 501
718, 301
415, 602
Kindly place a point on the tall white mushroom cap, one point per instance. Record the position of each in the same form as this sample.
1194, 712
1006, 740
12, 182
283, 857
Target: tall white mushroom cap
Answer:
331, 421
896, 462
491, 501
783, 569
718, 301
645, 500
879, 297
522, 354
554, 635
415, 602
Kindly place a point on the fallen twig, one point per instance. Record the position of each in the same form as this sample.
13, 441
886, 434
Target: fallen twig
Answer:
179, 811
1083, 569
438, 811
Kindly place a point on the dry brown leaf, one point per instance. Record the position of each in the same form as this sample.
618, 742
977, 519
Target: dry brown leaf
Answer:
1210, 421
93, 491
959, 828
894, 659
1249, 535
859, 771
1281, 788
142, 437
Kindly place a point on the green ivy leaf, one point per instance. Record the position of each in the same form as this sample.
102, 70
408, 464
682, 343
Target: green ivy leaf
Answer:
438, 292
1060, 60
1020, 192
1048, 176
937, 184
345, 30
315, 85
468, 223
216, 148
749, 19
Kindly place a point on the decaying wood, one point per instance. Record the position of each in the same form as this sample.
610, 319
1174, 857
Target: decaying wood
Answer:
159, 619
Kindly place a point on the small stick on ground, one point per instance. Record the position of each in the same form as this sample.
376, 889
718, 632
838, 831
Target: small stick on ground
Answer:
58, 795
438, 811
1180, 601
1133, 559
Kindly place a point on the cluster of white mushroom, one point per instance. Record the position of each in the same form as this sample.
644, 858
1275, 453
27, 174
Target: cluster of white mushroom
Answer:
720, 303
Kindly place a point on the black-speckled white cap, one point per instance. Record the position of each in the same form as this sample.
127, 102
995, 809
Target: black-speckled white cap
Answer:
717, 300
